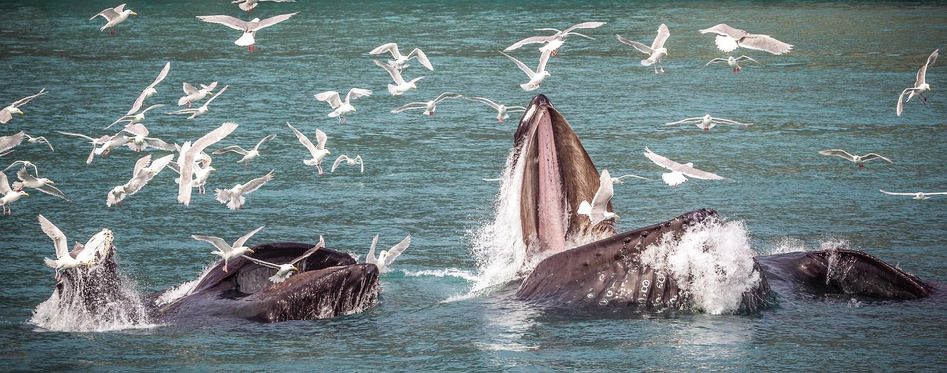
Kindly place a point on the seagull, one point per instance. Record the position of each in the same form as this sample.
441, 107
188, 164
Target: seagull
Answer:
248, 155
24, 164
535, 77
249, 28
707, 122
201, 173
114, 16
188, 155
857, 159
386, 257
401, 86
283, 271
400, 61
64, 258
679, 172
350, 161
133, 115
201, 110
144, 171
95, 142
917, 195
248, 5
318, 152
227, 251
428, 106
233, 197
554, 41
140, 140
734, 63
192, 95
8, 195
6, 114
597, 211
37, 140
342, 107
655, 52
106, 147
41, 184
920, 85
7, 143
502, 110
729, 38
618, 180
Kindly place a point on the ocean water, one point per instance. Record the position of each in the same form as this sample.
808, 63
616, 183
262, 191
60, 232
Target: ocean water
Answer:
423, 176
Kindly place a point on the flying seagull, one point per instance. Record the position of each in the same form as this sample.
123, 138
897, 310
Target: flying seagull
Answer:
429, 107
920, 85
734, 63
401, 86
136, 116
318, 151
114, 16
350, 161
342, 107
249, 5
400, 61
535, 77
64, 258
554, 41
249, 28
227, 251
6, 114
188, 154
192, 95
284, 271
655, 52
597, 211
857, 159
679, 172
248, 155
729, 38
386, 257
203, 109
707, 122
8, 195
916, 195
502, 110
144, 171
233, 197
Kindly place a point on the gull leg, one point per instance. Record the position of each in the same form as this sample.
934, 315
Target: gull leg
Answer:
112, 31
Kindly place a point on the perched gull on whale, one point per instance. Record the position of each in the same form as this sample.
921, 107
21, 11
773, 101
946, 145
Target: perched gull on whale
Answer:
597, 211
916, 195
249, 28
729, 38
350, 161
6, 114
283, 271
227, 251
144, 171
707, 122
502, 110
920, 85
187, 158
342, 107
679, 172
655, 52
203, 109
554, 41
64, 258
318, 151
8, 195
429, 106
248, 155
386, 257
114, 16
734, 63
857, 159
401, 86
535, 77
233, 197
192, 95
400, 61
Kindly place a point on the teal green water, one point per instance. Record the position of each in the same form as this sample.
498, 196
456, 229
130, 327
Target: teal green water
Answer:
837, 88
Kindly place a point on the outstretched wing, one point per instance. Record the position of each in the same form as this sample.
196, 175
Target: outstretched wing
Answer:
255, 184
484, 100
355, 93
321, 139
583, 25
639, 46
218, 242
529, 40
319, 245
838, 153
896, 193
331, 97
243, 240
141, 164
446, 95
604, 193
59, 239
724, 30
262, 262
234, 23
393, 72
765, 43
870, 156
422, 58
522, 66
272, 21
27, 99
338, 161
263, 140
682, 168
387, 48
396, 250
231, 148
663, 35
303, 139
922, 72
163, 74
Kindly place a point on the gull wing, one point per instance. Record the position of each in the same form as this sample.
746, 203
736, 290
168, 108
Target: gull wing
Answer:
319, 245
681, 168
321, 139
27, 99
59, 239
255, 184
396, 250
522, 66
604, 193
264, 139
663, 35
331, 97
484, 100
723, 29
234, 23
922, 72
163, 74
422, 58
141, 164
231, 148
262, 263
355, 93
4, 184
361, 163
684, 121
898, 193
303, 139
838, 153
243, 240
215, 95
53, 191
543, 59
765, 43
12, 141
189, 89
639, 46
370, 258
218, 242
529, 40
387, 48
393, 72
108, 13
188, 156
338, 161
272, 21
409, 106
446, 95
583, 25
870, 156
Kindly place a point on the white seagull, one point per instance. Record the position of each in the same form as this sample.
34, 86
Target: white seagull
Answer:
233, 197
400, 61
136, 116
350, 161
114, 16
729, 38
8, 195
655, 52
248, 155
140, 141
6, 114
283, 271
64, 258
502, 110
249, 28
36, 140
916, 195
7, 143
386, 257
201, 172
554, 41
535, 77
401, 86
227, 251
105, 139
318, 151
857, 159
203, 109
618, 180
192, 95
41, 184
707, 122
734, 63
144, 171
597, 211
342, 107
187, 158
428, 106
248, 5
920, 85
679, 172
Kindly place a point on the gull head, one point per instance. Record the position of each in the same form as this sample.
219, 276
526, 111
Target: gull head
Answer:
132, 12
14, 110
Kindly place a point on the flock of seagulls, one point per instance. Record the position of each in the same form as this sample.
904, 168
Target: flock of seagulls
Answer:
191, 160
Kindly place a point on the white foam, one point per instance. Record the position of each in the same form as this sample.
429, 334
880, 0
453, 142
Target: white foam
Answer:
712, 261
124, 312
447, 272
181, 290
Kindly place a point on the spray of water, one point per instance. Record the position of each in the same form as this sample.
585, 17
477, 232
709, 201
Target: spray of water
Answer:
447, 272
177, 292
713, 262
80, 306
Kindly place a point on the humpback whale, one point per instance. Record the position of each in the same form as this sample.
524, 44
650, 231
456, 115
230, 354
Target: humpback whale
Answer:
580, 265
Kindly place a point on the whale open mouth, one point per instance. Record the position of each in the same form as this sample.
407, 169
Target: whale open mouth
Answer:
557, 176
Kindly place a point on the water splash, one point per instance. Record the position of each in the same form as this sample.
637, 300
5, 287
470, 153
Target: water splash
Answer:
447, 272
177, 292
79, 306
712, 262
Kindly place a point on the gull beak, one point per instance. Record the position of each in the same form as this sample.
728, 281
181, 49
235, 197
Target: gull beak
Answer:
133, 13
251, 251
26, 194
296, 269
